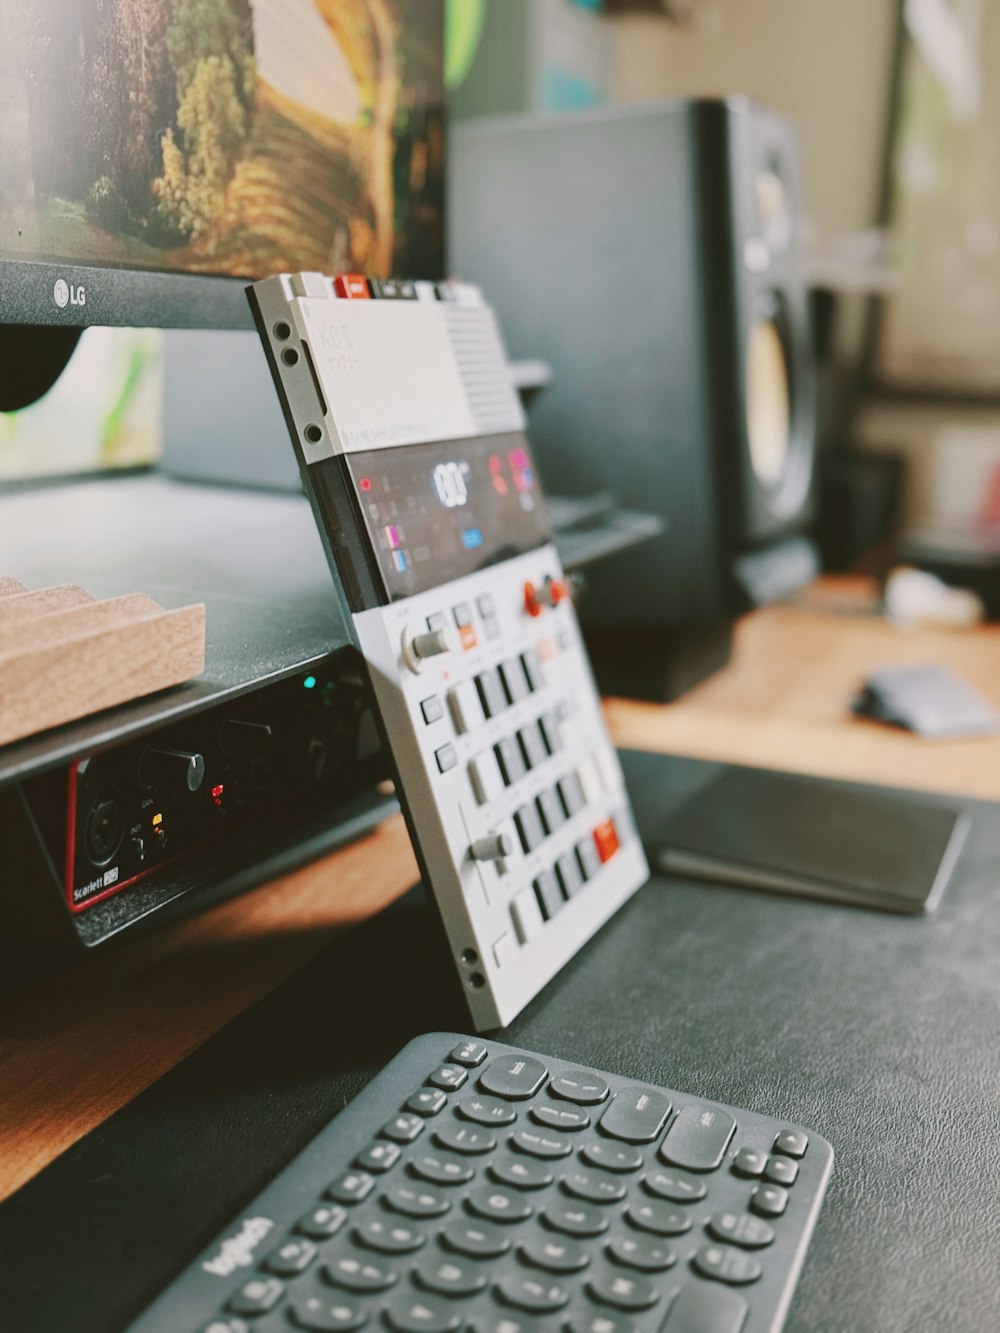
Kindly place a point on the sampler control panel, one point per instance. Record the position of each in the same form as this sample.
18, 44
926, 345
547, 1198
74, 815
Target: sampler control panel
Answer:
411, 441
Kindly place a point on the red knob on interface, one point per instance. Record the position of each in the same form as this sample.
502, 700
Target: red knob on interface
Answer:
531, 602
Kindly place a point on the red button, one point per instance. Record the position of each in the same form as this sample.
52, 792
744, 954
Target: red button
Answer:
352, 287
606, 838
531, 604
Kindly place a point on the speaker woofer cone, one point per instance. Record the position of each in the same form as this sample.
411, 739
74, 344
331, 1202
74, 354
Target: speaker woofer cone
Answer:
778, 443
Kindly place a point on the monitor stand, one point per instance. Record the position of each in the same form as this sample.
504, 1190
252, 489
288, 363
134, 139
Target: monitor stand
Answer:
40, 353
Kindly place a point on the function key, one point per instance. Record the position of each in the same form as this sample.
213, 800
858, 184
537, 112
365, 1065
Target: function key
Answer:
479, 1240
643, 1252
750, 1162
532, 745
741, 1229
403, 1129
446, 757
606, 840
551, 812
322, 1222
486, 1110
441, 1169
587, 858
769, 1200
469, 1053
514, 683
549, 895
351, 287
427, 1102
792, 1142
432, 709
569, 1118
511, 760
580, 1086
699, 1308
351, 1187
498, 1205
462, 614
626, 1293
636, 1115
698, 1138
570, 875
725, 1264
318, 1315
575, 1219
486, 605
447, 1077
531, 664
421, 1314
437, 620
513, 1076
290, 1258
392, 289
674, 1186
536, 1295
378, 1157
257, 1296
571, 794
491, 693
781, 1171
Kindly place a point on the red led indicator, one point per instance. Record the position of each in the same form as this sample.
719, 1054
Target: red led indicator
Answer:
365, 483
217, 793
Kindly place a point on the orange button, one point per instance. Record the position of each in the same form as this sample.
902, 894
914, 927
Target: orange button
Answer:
606, 838
468, 636
351, 286
558, 591
531, 604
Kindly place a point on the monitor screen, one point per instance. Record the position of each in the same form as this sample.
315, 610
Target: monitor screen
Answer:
156, 154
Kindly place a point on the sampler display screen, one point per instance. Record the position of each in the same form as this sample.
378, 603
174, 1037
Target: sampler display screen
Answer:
438, 511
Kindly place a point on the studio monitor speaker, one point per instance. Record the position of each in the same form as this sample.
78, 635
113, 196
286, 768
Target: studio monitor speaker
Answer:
650, 255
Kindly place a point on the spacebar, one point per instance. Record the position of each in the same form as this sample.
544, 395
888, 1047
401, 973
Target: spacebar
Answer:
705, 1309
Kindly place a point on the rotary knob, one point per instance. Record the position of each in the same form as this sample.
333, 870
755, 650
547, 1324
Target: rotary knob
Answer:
497, 847
181, 770
417, 648
550, 593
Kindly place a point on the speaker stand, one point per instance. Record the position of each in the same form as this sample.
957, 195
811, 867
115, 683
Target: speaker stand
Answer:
657, 665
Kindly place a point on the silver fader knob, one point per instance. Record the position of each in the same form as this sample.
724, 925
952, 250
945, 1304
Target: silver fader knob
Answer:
497, 847
417, 648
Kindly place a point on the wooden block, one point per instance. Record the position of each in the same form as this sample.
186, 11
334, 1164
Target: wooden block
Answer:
24, 605
73, 622
79, 665
9, 586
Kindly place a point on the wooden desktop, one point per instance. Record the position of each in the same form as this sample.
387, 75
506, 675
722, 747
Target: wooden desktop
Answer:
75, 1049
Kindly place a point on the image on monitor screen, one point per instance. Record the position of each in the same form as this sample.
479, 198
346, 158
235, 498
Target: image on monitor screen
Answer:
234, 138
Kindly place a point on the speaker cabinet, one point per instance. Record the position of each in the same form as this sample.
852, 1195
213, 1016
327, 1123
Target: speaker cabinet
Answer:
650, 256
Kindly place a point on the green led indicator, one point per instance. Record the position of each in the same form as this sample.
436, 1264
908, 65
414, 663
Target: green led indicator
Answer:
310, 682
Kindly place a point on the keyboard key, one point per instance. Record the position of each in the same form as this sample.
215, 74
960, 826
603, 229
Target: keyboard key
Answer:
491, 692
471, 1054
437, 620
290, 1258
421, 1314
769, 1200
523, 1173
497, 1205
570, 876
549, 728
612, 1157
513, 1076
560, 1117
526, 915
432, 709
351, 1187
536, 1295
514, 684
781, 1171
536, 1144
390, 1237
486, 605
465, 1139
447, 758
465, 708
575, 1219
479, 1240
404, 1129
452, 1277
529, 828
532, 746
427, 1102
725, 1264
551, 812
257, 1296
750, 1162
486, 1110
702, 1309
599, 1323
586, 855
643, 1253
510, 759
590, 779
571, 794
606, 840
378, 1157
750, 1233
636, 1115
417, 1201
657, 1216
448, 1077
698, 1138
485, 776
674, 1186
531, 664
440, 1169
462, 614
549, 895
321, 1315
593, 1186
627, 1293
792, 1142
225, 1325
580, 1086
321, 1222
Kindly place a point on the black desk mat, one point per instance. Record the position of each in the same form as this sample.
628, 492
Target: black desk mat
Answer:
881, 1032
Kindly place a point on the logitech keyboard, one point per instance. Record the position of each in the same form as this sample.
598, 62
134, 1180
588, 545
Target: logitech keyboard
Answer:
473, 1186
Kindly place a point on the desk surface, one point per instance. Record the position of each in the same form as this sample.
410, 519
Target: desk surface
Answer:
74, 1051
